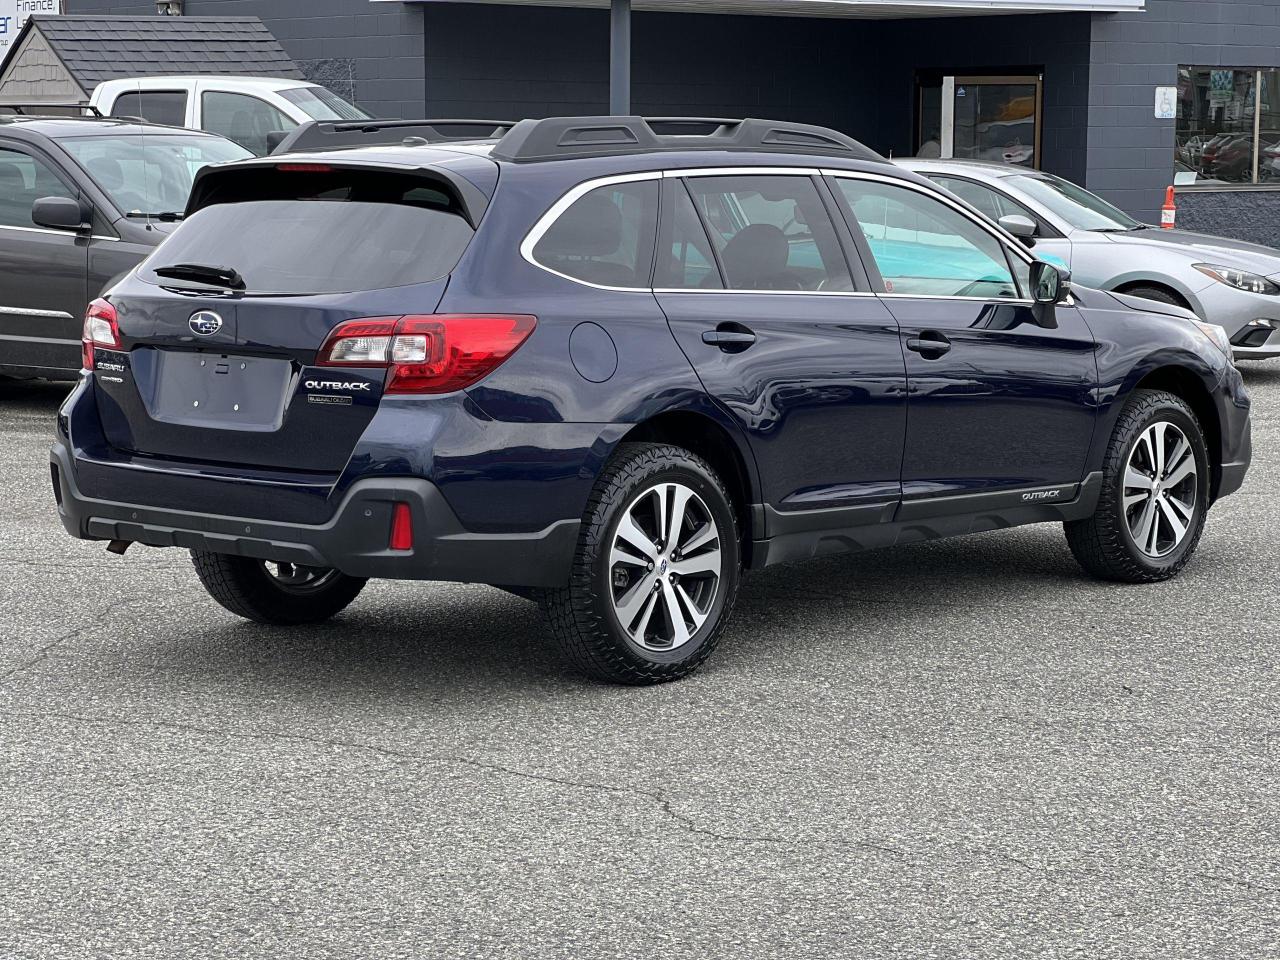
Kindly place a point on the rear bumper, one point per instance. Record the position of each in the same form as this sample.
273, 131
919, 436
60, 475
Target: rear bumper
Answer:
353, 540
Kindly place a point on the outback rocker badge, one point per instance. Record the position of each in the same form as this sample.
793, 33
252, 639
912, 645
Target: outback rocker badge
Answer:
205, 323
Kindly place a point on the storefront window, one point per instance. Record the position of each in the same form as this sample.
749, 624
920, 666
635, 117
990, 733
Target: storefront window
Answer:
1228, 127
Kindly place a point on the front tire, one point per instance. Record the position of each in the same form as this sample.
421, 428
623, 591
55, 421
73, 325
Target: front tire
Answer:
283, 594
656, 572
1155, 494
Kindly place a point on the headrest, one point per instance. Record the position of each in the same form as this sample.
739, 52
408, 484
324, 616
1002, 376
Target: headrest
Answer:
11, 177
755, 252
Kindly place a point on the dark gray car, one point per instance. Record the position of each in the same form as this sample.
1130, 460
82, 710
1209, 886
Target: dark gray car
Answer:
81, 202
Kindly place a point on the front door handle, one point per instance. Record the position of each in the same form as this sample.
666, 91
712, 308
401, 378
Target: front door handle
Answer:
930, 344
729, 337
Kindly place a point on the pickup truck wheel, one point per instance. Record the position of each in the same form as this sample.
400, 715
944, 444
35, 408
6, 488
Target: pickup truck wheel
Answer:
656, 571
285, 594
1155, 494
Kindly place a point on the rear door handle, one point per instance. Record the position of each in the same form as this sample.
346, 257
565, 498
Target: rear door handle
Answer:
730, 337
929, 344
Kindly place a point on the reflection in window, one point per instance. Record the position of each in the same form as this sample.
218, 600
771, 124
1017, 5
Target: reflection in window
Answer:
924, 247
1216, 140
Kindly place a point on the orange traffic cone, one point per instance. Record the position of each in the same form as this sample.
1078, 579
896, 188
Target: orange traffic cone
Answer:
1168, 211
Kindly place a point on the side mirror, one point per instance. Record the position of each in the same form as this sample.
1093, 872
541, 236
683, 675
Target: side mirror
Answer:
60, 213
1024, 228
274, 139
1050, 283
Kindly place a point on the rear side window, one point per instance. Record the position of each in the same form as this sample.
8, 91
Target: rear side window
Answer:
605, 237
313, 233
771, 233
157, 106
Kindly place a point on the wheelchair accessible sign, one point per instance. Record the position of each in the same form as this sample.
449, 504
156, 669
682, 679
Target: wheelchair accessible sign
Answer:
14, 13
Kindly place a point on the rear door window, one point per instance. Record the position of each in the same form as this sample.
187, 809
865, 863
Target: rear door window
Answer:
605, 237
314, 233
771, 233
685, 258
246, 120
168, 107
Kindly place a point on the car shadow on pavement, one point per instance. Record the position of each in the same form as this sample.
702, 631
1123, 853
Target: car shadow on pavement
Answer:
33, 395
472, 642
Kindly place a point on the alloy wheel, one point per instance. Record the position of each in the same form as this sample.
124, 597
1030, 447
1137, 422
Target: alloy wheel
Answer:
296, 578
1161, 486
664, 566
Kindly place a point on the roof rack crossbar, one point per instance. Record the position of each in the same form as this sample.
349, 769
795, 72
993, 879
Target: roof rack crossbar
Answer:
21, 109
556, 138
330, 134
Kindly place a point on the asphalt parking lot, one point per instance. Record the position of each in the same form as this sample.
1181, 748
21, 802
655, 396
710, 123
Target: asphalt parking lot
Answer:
960, 749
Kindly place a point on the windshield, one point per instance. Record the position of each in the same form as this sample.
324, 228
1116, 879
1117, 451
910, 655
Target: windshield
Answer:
321, 104
1077, 206
146, 174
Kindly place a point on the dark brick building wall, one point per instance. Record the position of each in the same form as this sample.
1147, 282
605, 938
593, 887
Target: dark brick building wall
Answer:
1130, 154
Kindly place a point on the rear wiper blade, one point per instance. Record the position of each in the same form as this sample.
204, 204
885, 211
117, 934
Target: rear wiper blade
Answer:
227, 277
165, 216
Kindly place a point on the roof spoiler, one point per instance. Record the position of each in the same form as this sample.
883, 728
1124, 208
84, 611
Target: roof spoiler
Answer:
334, 134
557, 138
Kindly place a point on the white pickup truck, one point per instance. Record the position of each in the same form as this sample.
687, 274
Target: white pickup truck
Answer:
248, 110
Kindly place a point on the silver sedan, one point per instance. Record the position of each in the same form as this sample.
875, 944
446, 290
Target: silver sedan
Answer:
1233, 284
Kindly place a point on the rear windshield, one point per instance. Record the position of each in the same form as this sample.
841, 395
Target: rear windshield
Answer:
345, 237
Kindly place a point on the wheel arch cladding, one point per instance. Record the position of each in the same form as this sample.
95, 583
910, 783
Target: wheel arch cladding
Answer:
701, 434
1184, 383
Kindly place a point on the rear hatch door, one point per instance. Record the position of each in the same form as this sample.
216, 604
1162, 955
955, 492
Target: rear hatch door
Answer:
220, 328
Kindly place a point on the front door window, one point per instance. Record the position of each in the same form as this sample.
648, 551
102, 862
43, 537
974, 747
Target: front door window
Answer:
923, 247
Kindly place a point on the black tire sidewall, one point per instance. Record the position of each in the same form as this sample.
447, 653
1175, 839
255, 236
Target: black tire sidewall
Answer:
1176, 414
693, 473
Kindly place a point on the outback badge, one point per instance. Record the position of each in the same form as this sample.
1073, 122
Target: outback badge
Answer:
205, 323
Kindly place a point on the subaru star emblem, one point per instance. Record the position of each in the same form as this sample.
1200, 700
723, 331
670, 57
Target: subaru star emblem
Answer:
205, 323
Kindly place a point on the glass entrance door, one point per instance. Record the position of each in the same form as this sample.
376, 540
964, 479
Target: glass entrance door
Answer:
981, 118
993, 118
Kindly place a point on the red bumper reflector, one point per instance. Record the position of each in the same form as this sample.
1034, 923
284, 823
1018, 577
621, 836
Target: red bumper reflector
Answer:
401, 527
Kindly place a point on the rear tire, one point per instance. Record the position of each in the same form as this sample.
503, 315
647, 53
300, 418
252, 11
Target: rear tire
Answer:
281, 594
1155, 494
656, 571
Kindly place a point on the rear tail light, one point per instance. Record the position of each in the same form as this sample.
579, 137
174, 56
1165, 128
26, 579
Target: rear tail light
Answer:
101, 329
439, 353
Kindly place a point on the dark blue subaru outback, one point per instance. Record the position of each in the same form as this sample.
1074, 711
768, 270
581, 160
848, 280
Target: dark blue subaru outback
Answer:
611, 363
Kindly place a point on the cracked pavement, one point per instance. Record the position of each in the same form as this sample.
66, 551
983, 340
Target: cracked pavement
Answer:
960, 749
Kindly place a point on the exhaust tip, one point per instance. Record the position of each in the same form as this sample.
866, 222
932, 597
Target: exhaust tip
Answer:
118, 547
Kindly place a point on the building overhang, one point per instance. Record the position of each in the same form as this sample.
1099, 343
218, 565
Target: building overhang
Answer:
839, 8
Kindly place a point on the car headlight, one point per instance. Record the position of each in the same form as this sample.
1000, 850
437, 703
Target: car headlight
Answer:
1217, 336
1240, 279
